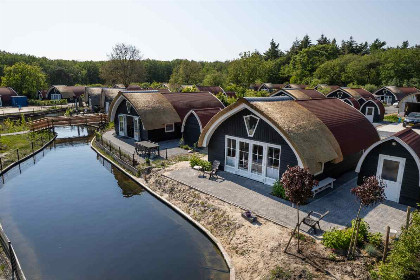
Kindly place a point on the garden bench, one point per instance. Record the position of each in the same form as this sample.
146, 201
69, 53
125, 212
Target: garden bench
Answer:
322, 185
313, 218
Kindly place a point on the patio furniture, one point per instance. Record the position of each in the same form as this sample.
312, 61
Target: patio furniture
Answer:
147, 147
313, 218
214, 168
323, 185
247, 215
199, 168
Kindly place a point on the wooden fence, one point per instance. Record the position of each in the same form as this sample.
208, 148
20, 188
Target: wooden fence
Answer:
11, 255
50, 122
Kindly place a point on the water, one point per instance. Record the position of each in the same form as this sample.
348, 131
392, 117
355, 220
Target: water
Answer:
71, 215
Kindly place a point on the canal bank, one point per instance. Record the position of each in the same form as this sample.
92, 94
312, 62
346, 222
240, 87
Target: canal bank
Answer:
144, 184
72, 215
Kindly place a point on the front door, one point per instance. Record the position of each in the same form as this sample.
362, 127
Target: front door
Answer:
137, 128
370, 111
391, 171
130, 126
243, 161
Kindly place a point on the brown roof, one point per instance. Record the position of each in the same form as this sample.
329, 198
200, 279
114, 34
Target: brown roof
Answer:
77, 90
183, 102
359, 91
411, 138
401, 92
272, 86
301, 94
354, 102
296, 86
134, 87
230, 93
206, 114
351, 129
255, 86
7, 93
331, 87
212, 89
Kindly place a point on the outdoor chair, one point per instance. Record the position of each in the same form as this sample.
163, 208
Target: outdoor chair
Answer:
214, 168
313, 218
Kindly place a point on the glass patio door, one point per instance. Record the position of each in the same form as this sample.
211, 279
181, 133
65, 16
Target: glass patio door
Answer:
257, 159
137, 128
243, 164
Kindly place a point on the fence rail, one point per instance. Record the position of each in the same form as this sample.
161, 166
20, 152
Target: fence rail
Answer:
50, 122
17, 271
127, 160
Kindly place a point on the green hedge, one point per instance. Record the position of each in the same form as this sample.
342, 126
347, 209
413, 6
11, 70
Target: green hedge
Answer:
340, 238
37, 102
196, 161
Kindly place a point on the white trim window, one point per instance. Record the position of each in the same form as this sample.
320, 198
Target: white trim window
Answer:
230, 152
121, 125
273, 163
251, 123
136, 128
55, 96
170, 127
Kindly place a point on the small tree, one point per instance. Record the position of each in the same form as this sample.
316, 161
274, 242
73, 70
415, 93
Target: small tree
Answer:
371, 192
298, 184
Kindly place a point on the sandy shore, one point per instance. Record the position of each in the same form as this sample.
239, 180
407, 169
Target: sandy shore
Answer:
255, 249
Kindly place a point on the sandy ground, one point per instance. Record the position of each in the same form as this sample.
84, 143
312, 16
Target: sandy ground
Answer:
256, 249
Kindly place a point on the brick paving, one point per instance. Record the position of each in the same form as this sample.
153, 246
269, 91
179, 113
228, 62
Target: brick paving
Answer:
127, 145
255, 196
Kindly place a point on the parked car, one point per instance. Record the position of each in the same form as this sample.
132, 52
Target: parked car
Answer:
412, 119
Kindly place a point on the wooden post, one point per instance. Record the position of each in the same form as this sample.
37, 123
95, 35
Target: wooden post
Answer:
1, 164
407, 221
386, 243
166, 155
355, 238
119, 150
133, 160
32, 144
17, 152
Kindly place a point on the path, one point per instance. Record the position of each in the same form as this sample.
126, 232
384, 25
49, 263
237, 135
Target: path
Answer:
15, 133
255, 196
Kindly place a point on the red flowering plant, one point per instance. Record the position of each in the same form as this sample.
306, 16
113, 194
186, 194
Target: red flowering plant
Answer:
298, 184
371, 192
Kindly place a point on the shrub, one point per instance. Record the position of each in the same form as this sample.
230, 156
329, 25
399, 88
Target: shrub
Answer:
403, 261
375, 239
37, 102
278, 190
196, 161
372, 251
392, 118
279, 273
340, 239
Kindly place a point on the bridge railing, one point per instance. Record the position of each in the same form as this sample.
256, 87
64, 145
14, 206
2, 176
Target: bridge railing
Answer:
50, 122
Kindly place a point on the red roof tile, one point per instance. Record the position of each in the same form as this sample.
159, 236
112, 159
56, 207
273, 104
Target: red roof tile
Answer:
350, 128
206, 114
411, 138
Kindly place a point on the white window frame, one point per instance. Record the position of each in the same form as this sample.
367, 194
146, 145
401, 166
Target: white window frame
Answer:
1, 102
123, 131
401, 167
247, 173
55, 96
136, 128
246, 126
169, 130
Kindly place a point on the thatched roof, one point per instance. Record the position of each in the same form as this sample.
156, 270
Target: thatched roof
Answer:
307, 127
92, 91
153, 108
300, 94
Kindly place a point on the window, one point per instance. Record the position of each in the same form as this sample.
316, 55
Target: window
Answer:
230, 152
169, 127
257, 159
273, 162
390, 170
121, 124
251, 123
55, 96
369, 111
243, 155
128, 105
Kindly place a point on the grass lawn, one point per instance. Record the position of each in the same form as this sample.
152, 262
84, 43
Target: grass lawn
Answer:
10, 144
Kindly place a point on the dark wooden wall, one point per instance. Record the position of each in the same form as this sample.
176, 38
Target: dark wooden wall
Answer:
344, 94
191, 130
235, 126
334, 170
377, 115
410, 190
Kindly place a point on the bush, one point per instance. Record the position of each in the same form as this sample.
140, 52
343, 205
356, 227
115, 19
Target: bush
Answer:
278, 190
279, 273
340, 239
403, 261
196, 161
37, 102
372, 250
375, 239
391, 118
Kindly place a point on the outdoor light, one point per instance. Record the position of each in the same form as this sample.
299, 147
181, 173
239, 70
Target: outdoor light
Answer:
394, 143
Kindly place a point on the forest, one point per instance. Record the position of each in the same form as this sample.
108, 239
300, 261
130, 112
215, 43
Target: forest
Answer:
307, 61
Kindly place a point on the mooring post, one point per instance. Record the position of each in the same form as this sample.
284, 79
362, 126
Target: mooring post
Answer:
11, 259
166, 155
386, 243
407, 221
1, 164
32, 144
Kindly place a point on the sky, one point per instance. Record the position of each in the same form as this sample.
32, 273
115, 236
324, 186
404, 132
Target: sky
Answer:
199, 30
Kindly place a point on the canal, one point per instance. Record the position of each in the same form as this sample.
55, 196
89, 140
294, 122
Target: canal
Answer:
71, 215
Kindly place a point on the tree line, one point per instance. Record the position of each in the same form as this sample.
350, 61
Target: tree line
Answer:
306, 62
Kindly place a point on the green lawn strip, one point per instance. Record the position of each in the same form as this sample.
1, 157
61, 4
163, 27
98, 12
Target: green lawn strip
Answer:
22, 142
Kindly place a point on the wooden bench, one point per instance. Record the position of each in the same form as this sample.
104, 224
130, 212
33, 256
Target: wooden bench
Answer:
322, 185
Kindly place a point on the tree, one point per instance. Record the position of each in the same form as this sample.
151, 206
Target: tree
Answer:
371, 192
246, 70
306, 42
273, 52
124, 65
377, 45
214, 78
323, 40
405, 45
298, 184
24, 78
331, 71
187, 72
